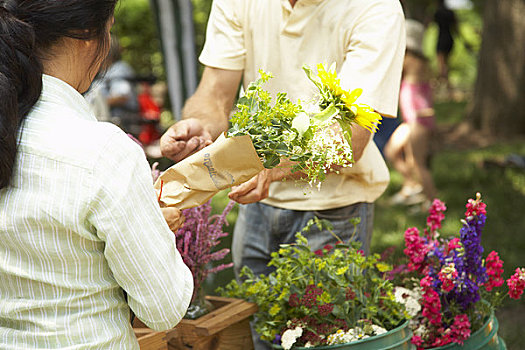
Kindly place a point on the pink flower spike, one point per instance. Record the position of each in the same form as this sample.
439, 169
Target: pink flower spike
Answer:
460, 329
436, 215
475, 207
415, 250
494, 266
454, 243
447, 275
516, 283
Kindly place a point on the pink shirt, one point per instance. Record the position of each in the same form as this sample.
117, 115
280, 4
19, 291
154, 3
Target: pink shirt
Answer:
414, 97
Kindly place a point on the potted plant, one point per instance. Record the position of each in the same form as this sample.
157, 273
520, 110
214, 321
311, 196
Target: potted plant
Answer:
456, 287
323, 298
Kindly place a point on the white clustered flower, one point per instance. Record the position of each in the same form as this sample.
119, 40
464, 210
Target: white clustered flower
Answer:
409, 298
353, 334
378, 330
421, 330
290, 336
330, 142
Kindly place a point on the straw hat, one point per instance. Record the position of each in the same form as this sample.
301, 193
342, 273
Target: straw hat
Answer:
415, 31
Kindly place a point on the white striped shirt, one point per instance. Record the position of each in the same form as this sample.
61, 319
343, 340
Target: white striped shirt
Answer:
79, 223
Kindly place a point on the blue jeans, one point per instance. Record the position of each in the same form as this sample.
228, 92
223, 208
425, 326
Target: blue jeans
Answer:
260, 229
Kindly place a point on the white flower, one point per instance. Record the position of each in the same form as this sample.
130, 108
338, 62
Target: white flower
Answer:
378, 330
301, 123
290, 336
421, 331
408, 298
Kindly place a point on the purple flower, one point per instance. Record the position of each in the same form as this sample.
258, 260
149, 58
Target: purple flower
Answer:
470, 235
197, 237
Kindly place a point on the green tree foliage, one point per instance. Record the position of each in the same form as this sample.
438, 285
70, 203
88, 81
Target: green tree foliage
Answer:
136, 27
137, 31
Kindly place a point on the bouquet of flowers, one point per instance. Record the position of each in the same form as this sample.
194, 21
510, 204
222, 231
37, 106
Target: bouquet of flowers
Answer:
314, 140
315, 137
329, 296
456, 288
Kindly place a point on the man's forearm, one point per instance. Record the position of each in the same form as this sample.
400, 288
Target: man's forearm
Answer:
213, 118
213, 101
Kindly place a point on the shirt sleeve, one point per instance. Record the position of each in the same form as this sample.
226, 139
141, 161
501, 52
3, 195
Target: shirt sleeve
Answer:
139, 246
374, 56
224, 46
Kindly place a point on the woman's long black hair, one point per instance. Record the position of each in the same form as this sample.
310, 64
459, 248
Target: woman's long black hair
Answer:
27, 29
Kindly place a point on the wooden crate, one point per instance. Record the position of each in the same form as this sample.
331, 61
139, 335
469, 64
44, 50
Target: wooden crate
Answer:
150, 340
227, 327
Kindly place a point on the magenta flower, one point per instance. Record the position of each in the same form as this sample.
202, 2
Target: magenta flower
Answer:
417, 341
436, 215
431, 303
494, 266
475, 207
516, 283
453, 244
447, 276
416, 250
460, 329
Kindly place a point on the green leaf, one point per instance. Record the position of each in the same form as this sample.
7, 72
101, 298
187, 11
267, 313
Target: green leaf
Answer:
271, 161
301, 123
347, 133
313, 77
325, 114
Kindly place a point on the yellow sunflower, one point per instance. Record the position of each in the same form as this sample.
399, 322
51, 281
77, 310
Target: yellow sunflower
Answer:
366, 117
349, 98
329, 79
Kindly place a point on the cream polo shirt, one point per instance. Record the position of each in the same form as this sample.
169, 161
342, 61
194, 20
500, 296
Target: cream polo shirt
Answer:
366, 40
79, 224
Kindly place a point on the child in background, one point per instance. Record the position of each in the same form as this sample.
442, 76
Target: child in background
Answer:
408, 147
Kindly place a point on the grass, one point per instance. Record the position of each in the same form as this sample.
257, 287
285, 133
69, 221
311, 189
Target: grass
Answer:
458, 174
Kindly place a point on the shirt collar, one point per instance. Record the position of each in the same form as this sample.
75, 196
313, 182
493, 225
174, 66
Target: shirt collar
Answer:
286, 3
58, 91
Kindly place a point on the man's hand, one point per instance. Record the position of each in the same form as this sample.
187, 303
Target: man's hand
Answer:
173, 217
256, 189
183, 139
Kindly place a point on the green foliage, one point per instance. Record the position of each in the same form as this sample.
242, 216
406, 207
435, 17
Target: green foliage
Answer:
321, 291
201, 12
136, 28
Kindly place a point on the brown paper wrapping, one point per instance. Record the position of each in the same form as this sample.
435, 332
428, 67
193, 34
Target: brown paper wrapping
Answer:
193, 181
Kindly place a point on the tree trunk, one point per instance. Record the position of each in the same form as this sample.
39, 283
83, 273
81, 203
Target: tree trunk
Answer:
498, 107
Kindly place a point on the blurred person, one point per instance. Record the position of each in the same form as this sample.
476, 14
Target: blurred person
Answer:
80, 224
446, 20
117, 85
408, 147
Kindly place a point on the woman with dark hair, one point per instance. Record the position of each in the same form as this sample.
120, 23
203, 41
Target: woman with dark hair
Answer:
79, 218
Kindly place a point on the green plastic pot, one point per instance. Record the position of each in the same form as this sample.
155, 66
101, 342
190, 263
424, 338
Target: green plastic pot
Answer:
485, 338
395, 339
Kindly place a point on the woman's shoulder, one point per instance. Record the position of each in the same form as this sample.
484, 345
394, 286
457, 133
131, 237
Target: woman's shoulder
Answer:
66, 135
